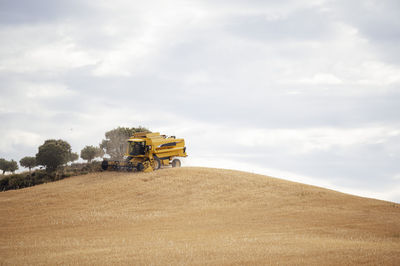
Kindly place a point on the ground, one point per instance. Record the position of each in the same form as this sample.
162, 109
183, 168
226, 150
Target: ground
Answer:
194, 216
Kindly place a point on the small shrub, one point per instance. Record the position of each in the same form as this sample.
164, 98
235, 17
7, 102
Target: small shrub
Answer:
65, 175
4, 184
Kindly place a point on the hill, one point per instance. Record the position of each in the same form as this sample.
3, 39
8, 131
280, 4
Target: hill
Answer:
194, 216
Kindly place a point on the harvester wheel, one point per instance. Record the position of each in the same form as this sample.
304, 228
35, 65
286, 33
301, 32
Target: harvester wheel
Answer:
116, 166
140, 167
156, 163
104, 165
129, 167
176, 163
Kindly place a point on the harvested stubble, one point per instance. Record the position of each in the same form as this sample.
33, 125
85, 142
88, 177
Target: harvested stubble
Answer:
194, 216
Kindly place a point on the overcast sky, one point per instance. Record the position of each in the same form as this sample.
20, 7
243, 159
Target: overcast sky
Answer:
301, 90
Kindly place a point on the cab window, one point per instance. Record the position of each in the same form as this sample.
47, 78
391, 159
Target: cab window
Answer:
136, 148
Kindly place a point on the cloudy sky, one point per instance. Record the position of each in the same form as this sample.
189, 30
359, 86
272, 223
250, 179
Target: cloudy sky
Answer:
305, 90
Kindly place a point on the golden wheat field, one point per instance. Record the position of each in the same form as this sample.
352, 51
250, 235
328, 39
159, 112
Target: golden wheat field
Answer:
185, 216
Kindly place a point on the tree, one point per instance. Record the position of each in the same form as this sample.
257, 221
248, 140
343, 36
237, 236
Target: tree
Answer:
8, 166
53, 153
74, 156
3, 165
28, 162
12, 166
116, 141
90, 152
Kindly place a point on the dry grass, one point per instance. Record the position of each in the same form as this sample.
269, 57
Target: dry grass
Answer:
194, 216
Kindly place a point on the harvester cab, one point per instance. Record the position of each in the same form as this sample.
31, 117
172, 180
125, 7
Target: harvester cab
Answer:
149, 151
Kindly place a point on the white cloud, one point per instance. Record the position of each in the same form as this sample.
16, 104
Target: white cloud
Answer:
378, 73
45, 90
139, 48
26, 97
321, 78
12, 138
39, 48
296, 140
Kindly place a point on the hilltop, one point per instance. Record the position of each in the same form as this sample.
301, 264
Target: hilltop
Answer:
194, 216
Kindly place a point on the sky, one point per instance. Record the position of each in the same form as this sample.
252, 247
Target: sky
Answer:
305, 90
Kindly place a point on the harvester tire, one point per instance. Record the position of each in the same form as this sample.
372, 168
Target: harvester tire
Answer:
140, 167
129, 167
176, 163
116, 165
104, 165
157, 163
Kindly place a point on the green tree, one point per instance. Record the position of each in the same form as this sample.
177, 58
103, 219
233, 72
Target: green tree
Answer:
3, 165
12, 166
8, 166
28, 162
74, 156
90, 152
53, 153
116, 141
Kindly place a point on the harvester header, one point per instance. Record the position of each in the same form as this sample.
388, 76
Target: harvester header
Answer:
149, 151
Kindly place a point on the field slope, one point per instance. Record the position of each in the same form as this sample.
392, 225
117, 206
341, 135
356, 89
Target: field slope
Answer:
194, 216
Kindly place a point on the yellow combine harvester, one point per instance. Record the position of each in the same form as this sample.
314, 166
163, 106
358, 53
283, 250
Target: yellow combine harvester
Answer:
149, 151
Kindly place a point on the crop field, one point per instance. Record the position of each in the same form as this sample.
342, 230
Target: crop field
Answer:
193, 216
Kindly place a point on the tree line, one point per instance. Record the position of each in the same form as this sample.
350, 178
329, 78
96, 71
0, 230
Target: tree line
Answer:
54, 153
